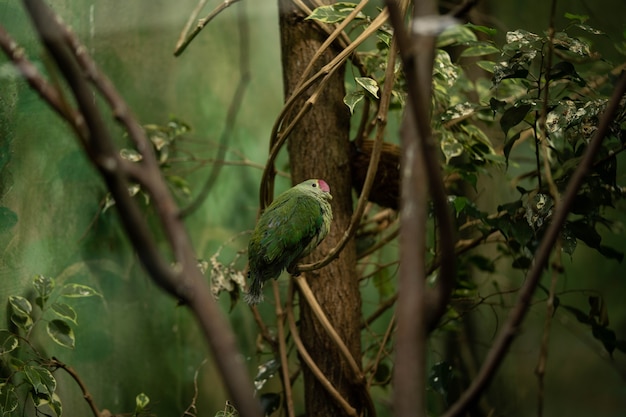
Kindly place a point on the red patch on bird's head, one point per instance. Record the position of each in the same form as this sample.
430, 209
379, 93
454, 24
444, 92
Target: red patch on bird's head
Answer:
324, 186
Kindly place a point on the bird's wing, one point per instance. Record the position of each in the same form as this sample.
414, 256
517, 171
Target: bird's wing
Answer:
291, 226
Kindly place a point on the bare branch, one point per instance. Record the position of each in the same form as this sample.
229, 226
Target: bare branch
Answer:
76, 377
34, 78
184, 43
314, 368
319, 313
420, 104
282, 351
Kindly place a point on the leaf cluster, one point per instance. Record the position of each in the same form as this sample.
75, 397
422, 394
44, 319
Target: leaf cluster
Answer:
164, 140
26, 372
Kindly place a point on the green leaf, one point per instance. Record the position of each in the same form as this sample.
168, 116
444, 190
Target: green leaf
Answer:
599, 310
270, 402
78, 291
455, 35
8, 219
64, 311
483, 263
486, 65
480, 49
611, 253
266, 371
141, 402
20, 305
586, 233
484, 29
577, 47
21, 309
53, 402
589, 29
8, 342
44, 286
370, 85
8, 399
508, 145
61, 333
450, 146
353, 98
606, 336
458, 202
578, 313
582, 18
503, 72
513, 116
333, 13
41, 380
383, 372
568, 241
440, 378
522, 37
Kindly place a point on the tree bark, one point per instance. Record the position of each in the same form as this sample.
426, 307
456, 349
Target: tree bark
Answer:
319, 148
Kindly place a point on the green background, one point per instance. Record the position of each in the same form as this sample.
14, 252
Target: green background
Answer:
135, 339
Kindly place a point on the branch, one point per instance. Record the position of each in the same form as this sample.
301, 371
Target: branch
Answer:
183, 41
183, 280
86, 394
313, 366
34, 78
418, 70
509, 331
282, 351
319, 313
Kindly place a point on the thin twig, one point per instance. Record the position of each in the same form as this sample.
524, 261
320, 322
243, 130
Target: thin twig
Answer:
192, 410
390, 326
46, 91
332, 333
282, 350
192, 17
81, 384
540, 369
181, 46
331, 38
315, 370
543, 130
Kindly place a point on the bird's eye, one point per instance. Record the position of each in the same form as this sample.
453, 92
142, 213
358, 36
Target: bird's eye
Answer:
314, 185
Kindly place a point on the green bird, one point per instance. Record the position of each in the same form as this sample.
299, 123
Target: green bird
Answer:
289, 229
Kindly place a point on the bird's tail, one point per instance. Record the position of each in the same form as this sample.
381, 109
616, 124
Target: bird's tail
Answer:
254, 294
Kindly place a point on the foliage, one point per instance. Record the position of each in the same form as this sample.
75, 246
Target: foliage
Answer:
488, 100
26, 372
495, 107
165, 140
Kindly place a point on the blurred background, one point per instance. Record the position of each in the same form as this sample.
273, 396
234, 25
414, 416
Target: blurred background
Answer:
135, 338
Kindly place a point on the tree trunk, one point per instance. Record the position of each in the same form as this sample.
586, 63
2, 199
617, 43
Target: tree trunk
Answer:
319, 148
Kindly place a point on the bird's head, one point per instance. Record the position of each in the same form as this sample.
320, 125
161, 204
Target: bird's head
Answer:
317, 187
